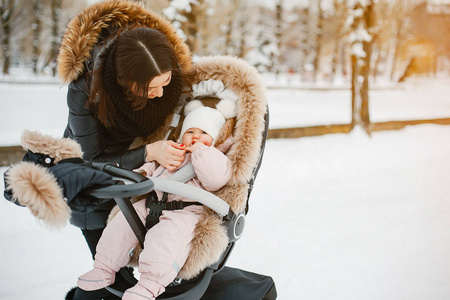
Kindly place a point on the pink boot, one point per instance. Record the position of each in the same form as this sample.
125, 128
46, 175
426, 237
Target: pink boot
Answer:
99, 277
145, 289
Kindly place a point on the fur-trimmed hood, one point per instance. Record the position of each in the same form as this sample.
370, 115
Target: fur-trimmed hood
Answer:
247, 128
83, 32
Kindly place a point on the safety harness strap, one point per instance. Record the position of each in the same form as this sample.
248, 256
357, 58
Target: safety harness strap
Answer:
156, 206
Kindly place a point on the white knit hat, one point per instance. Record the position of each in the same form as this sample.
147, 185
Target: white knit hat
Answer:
205, 118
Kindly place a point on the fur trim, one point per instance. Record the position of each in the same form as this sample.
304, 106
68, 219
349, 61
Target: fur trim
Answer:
56, 148
84, 29
210, 240
238, 76
33, 186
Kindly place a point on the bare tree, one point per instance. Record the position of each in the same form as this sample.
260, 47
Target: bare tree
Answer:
230, 15
400, 23
338, 23
361, 55
319, 32
9, 10
197, 25
379, 37
305, 38
246, 19
368, 18
36, 26
278, 34
56, 15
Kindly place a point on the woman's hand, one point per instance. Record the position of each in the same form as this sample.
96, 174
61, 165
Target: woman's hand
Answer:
168, 154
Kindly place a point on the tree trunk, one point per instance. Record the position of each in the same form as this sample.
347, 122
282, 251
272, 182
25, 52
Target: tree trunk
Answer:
355, 91
361, 66
6, 12
37, 5
365, 70
6, 48
395, 54
337, 36
242, 43
334, 61
344, 60
228, 35
242, 30
376, 63
319, 32
304, 42
279, 34
56, 12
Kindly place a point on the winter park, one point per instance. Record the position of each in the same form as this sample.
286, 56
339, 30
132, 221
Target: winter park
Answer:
351, 200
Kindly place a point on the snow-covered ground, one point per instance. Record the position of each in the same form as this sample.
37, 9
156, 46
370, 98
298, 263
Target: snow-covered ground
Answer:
342, 216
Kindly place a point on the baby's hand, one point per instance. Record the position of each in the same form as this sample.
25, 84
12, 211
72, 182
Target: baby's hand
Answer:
194, 146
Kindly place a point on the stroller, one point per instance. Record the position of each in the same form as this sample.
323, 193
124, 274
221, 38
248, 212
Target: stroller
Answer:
86, 192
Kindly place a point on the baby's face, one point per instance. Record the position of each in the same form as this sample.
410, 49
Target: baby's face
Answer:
194, 135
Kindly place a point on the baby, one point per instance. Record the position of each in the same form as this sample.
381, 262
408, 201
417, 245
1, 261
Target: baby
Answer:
167, 244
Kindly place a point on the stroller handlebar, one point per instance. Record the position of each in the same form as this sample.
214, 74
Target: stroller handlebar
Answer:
122, 190
204, 197
142, 185
118, 172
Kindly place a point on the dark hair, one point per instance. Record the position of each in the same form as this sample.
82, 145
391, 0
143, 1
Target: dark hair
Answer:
139, 55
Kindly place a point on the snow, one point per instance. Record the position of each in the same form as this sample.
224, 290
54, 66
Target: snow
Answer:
342, 216
31, 106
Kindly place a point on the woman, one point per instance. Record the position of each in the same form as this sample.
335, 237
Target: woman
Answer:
136, 83
125, 68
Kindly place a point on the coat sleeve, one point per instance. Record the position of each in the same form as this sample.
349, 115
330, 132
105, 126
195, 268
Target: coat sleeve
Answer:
84, 127
213, 168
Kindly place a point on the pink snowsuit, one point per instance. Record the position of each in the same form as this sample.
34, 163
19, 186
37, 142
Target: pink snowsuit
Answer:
167, 244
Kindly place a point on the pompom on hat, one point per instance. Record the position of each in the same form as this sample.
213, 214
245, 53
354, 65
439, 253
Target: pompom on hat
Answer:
205, 118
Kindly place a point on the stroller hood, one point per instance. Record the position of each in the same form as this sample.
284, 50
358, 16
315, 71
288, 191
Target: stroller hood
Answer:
83, 32
210, 237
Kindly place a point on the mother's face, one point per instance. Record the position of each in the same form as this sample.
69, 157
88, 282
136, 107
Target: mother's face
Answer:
155, 88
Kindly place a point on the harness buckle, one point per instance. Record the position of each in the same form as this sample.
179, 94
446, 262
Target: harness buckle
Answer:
156, 207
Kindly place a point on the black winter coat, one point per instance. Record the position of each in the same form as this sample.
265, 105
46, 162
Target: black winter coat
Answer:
98, 142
